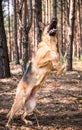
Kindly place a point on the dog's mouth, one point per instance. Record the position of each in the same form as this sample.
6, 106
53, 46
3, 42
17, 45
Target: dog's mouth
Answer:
52, 27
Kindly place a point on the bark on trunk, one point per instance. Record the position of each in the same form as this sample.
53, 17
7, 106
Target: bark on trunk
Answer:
26, 30
15, 34
70, 35
25, 25
55, 8
62, 46
37, 19
4, 59
9, 31
78, 30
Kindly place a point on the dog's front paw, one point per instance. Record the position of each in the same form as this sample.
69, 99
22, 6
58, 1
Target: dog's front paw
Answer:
29, 122
7, 125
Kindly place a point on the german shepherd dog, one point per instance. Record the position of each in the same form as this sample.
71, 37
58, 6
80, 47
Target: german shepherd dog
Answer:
43, 62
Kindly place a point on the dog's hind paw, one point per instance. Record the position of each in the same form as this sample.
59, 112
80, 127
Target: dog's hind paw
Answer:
27, 122
7, 125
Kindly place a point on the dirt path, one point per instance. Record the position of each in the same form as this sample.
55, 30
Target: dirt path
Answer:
59, 102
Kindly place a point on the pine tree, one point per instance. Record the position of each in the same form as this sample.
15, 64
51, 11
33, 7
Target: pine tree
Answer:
4, 59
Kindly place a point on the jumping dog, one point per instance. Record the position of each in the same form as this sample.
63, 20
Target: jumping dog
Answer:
44, 61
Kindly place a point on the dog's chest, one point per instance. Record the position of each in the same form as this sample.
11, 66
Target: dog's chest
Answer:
42, 74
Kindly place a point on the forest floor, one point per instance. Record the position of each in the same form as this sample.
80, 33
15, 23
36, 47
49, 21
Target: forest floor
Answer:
59, 102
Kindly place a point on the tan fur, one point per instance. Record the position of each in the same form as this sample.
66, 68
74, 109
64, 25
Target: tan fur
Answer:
45, 60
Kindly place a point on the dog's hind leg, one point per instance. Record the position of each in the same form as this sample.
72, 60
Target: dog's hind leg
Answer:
23, 117
29, 107
18, 104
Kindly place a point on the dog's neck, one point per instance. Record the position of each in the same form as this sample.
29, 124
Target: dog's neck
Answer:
50, 41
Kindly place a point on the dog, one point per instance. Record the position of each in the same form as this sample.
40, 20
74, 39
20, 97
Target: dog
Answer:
44, 61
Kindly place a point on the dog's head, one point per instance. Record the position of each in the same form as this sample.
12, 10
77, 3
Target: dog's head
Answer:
49, 35
52, 29
49, 30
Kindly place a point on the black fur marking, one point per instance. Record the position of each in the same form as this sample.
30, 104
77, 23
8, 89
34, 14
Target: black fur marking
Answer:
27, 73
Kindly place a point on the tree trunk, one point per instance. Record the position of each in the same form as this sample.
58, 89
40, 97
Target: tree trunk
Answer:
78, 30
55, 8
9, 31
15, 34
62, 45
69, 49
20, 42
49, 11
4, 59
26, 30
46, 12
64, 26
19, 34
37, 19
81, 24
43, 12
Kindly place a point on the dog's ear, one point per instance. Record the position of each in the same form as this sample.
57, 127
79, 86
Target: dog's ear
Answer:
42, 26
